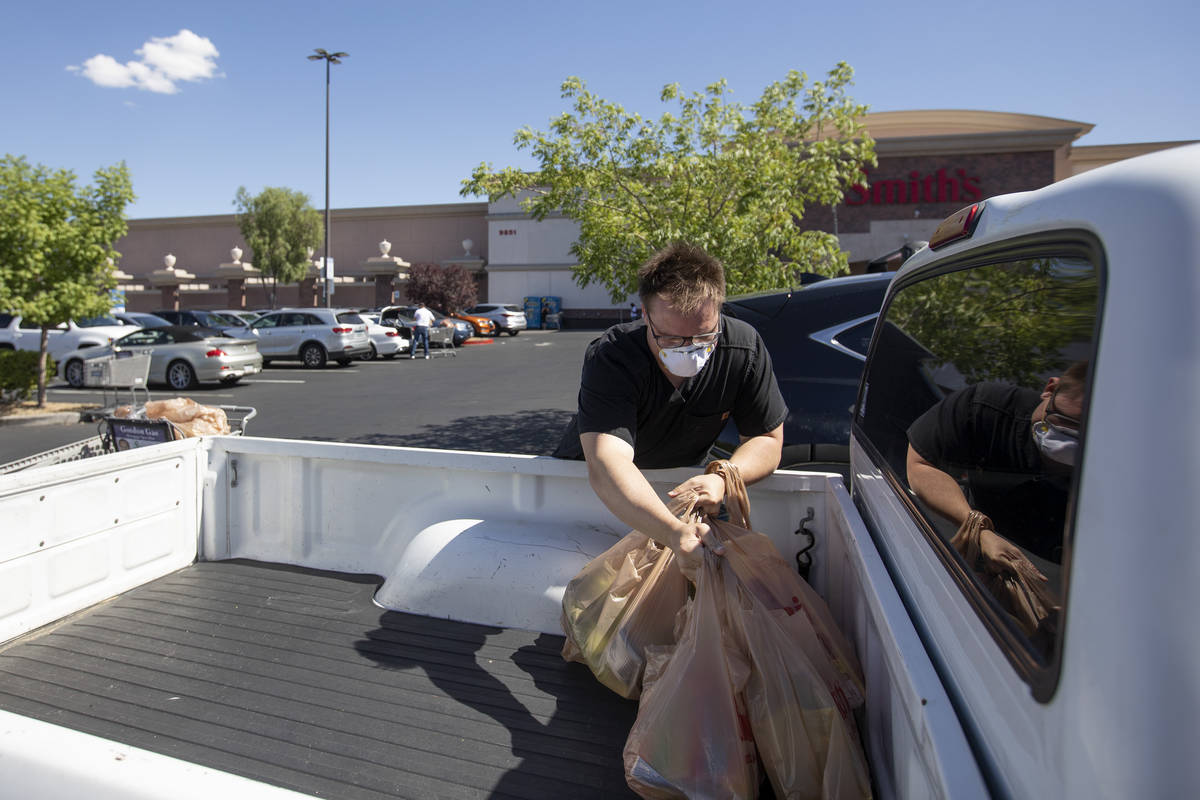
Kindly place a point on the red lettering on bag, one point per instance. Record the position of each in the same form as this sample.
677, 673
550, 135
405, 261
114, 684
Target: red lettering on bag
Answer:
744, 729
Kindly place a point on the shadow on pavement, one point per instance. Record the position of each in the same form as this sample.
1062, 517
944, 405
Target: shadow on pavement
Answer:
528, 432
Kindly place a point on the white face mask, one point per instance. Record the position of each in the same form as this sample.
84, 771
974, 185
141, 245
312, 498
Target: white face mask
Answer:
685, 362
1055, 444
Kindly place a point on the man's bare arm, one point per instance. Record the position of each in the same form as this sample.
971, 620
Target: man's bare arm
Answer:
756, 457
624, 490
936, 489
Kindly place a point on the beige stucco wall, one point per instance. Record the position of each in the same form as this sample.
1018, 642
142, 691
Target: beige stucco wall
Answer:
431, 233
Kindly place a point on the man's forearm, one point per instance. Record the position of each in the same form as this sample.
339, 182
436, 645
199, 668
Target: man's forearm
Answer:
758, 456
625, 491
937, 489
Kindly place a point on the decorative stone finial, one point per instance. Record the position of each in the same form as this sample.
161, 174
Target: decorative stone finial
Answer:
467, 245
169, 261
385, 247
236, 254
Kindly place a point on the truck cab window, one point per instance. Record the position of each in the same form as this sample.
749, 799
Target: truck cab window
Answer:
989, 366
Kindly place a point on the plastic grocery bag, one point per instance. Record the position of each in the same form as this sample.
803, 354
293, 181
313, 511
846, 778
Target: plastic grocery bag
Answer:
189, 417
798, 610
692, 736
806, 738
773, 581
623, 601
1014, 581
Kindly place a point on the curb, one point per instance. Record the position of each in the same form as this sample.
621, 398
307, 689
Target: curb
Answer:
29, 420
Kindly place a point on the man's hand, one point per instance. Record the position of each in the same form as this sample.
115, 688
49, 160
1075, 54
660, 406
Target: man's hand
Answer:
709, 491
1002, 556
690, 539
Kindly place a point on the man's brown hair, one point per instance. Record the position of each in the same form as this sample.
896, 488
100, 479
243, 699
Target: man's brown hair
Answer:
1074, 379
683, 275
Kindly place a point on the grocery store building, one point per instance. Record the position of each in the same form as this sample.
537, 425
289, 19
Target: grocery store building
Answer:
931, 163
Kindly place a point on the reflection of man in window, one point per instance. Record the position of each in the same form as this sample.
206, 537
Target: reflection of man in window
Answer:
1014, 449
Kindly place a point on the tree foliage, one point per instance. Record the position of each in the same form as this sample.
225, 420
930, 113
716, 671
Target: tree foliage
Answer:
19, 375
448, 289
55, 242
733, 179
279, 225
1020, 321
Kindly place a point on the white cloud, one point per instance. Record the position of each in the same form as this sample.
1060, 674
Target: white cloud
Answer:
165, 61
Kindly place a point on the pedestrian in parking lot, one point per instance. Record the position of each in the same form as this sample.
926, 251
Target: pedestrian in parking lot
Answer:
424, 318
656, 393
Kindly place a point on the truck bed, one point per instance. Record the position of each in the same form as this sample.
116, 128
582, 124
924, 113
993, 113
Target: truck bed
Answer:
294, 677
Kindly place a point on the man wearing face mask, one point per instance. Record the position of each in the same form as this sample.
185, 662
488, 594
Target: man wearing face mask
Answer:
656, 392
1016, 449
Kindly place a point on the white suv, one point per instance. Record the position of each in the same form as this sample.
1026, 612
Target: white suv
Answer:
311, 336
68, 336
509, 318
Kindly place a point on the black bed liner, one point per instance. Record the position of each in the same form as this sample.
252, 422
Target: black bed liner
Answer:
294, 677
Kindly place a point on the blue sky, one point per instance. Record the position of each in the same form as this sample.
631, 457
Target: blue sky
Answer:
201, 98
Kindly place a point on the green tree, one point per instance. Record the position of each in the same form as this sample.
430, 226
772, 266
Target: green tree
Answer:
1019, 321
733, 179
279, 225
448, 289
55, 242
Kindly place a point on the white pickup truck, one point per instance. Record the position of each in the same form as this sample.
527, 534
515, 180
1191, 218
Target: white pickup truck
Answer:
272, 618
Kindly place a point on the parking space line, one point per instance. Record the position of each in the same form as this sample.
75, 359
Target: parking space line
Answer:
267, 380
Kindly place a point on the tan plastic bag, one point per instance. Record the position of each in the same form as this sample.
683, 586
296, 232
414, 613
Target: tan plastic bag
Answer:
806, 738
622, 602
692, 736
802, 612
189, 417
1015, 583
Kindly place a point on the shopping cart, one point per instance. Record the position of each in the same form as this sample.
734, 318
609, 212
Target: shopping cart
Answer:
115, 434
125, 369
134, 431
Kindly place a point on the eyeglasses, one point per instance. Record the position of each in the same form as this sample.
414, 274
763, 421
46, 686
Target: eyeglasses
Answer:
1060, 420
667, 342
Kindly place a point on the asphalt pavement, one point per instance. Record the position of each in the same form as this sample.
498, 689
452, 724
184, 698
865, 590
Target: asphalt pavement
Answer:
514, 395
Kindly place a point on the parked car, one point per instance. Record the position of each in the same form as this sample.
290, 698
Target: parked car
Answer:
817, 336
311, 336
481, 325
508, 317
400, 317
71, 335
462, 328
140, 319
181, 356
234, 326
241, 314
386, 341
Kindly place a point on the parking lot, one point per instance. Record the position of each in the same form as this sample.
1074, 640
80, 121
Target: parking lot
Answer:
513, 395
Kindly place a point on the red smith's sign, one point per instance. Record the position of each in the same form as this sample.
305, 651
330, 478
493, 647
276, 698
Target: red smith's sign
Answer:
940, 187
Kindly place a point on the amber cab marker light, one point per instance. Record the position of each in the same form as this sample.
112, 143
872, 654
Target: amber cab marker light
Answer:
959, 225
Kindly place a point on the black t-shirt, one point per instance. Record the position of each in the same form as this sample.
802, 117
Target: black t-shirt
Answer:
983, 433
623, 392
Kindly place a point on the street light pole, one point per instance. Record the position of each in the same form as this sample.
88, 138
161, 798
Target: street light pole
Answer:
320, 54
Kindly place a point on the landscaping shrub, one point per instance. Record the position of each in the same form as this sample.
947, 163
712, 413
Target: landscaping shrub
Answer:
18, 375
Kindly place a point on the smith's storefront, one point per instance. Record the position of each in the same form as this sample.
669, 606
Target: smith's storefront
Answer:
931, 163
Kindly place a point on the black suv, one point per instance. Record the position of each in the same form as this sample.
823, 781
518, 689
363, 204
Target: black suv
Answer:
204, 319
818, 337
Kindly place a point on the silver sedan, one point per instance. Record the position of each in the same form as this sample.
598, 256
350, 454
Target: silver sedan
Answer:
180, 356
